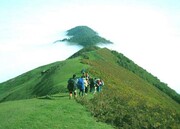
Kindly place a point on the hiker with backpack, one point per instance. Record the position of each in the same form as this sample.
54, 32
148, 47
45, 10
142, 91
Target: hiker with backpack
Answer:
98, 84
101, 83
72, 86
86, 84
96, 81
81, 86
91, 84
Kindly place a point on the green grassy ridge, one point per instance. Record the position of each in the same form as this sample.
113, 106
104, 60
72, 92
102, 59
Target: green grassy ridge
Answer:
119, 77
56, 112
131, 66
22, 86
84, 50
34, 84
128, 101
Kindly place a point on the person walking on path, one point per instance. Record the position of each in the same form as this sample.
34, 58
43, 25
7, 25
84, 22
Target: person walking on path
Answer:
86, 85
91, 84
81, 86
72, 86
101, 84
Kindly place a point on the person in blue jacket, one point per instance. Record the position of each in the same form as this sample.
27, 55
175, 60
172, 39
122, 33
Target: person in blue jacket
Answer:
81, 86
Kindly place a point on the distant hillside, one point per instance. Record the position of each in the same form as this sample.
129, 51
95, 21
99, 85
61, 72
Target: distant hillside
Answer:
131, 66
84, 36
127, 100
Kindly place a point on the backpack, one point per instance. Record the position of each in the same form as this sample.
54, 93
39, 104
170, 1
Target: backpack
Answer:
80, 83
91, 81
97, 82
71, 84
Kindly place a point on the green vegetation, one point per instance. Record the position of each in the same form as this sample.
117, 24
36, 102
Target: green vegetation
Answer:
55, 112
131, 66
82, 51
124, 111
84, 36
45, 80
126, 101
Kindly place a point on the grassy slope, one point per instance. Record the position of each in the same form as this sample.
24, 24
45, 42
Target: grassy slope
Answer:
56, 113
127, 101
122, 88
127, 83
32, 83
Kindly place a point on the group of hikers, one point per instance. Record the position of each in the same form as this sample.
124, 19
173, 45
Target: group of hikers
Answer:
83, 84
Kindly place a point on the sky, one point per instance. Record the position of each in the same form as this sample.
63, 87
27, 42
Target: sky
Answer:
146, 31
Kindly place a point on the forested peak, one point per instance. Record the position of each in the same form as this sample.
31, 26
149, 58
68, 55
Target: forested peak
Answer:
84, 36
81, 30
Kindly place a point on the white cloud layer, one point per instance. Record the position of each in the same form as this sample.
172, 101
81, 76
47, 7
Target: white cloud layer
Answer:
147, 34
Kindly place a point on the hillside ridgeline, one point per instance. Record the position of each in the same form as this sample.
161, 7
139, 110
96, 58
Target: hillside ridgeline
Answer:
126, 101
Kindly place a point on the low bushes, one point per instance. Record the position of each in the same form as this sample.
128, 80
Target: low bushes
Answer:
126, 112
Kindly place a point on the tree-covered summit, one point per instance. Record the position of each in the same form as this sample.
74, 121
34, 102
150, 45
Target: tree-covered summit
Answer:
84, 36
81, 31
